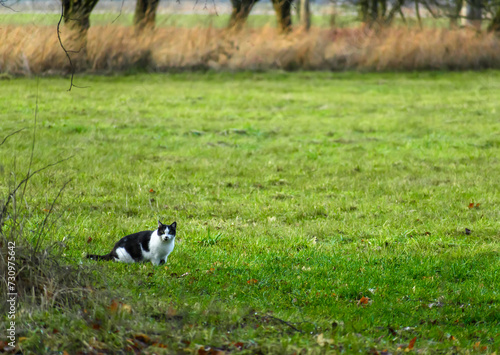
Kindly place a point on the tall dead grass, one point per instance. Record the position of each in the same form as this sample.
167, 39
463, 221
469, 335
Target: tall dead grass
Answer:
30, 49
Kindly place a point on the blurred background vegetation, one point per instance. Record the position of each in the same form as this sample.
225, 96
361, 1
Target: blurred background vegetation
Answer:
152, 35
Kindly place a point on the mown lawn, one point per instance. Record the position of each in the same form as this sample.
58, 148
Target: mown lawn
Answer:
316, 211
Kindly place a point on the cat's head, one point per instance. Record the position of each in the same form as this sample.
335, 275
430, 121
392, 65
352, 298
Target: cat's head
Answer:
166, 232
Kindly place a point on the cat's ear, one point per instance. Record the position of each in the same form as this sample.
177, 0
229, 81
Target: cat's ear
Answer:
159, 224
174, 225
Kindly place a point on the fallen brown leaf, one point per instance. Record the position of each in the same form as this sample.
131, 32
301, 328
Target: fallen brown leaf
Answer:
412, 343
364, 301
113, 307
160, 345
143, 337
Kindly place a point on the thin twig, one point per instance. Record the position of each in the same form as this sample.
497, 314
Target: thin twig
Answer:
72, 67
3, 4
40, 229
215, 8
25, 180
284, 322
426, 5
121, 8
34, 135
10, 135
402, 15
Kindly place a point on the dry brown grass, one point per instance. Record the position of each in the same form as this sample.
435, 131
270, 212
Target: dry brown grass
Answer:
28, 49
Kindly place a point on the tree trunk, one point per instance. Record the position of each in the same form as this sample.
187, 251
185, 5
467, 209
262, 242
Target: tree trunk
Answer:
495, 22
473, 14
240, 12
363, 9
456, 13
373, 11
283, 14
242, 8
305, 14
145, 14
76, 14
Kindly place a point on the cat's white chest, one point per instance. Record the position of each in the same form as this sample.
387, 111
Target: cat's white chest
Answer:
158, 249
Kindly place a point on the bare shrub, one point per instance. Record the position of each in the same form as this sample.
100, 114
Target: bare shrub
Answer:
38, 273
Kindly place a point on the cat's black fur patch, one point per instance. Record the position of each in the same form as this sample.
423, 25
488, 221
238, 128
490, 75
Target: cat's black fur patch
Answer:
133, 242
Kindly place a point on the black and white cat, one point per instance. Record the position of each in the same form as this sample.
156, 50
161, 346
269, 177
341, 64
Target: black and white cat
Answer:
142, 246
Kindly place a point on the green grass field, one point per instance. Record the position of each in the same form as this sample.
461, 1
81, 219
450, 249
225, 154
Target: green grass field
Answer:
213, 15
344, 18
171, 20
295, 194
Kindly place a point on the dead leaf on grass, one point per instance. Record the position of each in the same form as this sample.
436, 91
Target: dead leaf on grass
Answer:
239, 345
412, 343
114, 307
364, 301
160, 345
143, 337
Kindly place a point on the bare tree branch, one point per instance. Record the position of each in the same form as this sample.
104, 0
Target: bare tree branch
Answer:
10, 135
417, 12
283, 322
426, 5
395, 8
34, 136
40, 229
3, 4
23, 181
72, 67
121, 8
